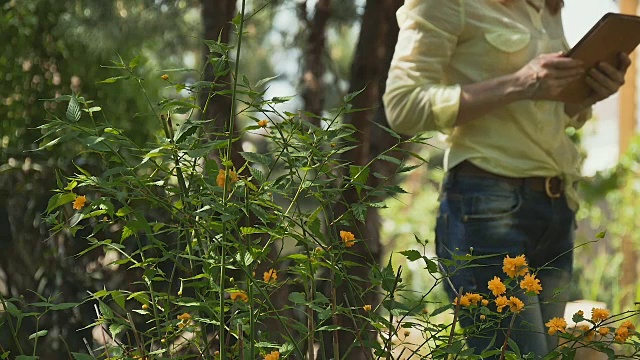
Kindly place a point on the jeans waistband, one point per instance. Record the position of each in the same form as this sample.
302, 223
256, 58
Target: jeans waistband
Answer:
552, 186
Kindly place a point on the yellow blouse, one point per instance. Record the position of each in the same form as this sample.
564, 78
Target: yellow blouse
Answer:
444, 44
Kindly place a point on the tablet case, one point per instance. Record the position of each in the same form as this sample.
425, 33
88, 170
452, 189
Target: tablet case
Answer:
611, 35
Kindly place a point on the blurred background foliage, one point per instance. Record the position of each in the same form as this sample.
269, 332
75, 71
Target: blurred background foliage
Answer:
52, 48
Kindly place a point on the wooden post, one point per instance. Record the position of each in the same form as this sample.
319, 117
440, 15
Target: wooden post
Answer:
628, 122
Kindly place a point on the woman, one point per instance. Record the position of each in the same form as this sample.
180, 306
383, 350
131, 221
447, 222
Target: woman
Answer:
486, 72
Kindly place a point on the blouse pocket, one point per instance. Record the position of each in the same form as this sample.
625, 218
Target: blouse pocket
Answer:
509, 50
507, 41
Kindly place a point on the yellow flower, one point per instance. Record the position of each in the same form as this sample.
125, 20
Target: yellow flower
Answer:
622, 334
270, 276
263, 123
531, 284
145, 306
464, 301
516, 266
628, 324
485, 302
483, 317
496, 286
579, 313
184, 316
239, 295
474, 298
587, 332
79, 202
348, 238
185, 319
230, 178
164, 77
501, 302
515, 304
556, 324
604, 331
599, 314
274, 355
367, 308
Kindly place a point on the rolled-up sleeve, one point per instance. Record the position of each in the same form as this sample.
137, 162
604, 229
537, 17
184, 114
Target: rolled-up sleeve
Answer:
417, 98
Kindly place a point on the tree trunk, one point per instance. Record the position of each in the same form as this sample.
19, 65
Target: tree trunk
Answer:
369, 70
313, 91
216, 21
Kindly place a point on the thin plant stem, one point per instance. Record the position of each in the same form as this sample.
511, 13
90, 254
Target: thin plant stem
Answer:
223, 246
506, 338
456, 313
11, 328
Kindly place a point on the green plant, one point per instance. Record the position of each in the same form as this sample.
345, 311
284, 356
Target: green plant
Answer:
211, 246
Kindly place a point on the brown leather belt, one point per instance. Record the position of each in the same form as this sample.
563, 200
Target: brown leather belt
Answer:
552, 186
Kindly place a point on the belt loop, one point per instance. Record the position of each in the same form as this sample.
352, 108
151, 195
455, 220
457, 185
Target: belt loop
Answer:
549, 190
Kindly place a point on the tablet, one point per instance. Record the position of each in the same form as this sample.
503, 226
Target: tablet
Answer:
612, 34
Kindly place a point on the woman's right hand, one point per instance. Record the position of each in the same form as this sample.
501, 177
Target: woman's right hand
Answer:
546, 75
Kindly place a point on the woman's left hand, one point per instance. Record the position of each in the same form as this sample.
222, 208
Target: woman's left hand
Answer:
606, 80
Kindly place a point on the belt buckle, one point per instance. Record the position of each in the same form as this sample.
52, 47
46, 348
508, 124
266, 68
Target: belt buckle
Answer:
549, 191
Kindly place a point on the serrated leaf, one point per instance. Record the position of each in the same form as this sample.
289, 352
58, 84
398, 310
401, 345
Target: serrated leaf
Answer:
126, 233
352, 95
256, 158
411, 255
251, 230
116, 329
297, 298
73, 109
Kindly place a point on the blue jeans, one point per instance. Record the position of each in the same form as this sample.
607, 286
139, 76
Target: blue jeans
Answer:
487, 216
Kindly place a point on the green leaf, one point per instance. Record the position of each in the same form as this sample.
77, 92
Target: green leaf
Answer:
119, 298
38, 334
111, 80
297, 298
352, 95
93, 109
134, 62
266, 80
251, 230
80, 356
256, 158
389, 131
13, 309
26, 357
432, 266
281, 99
58, 200
126, 233
411, 255
116, 329
73, 109
64, 306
